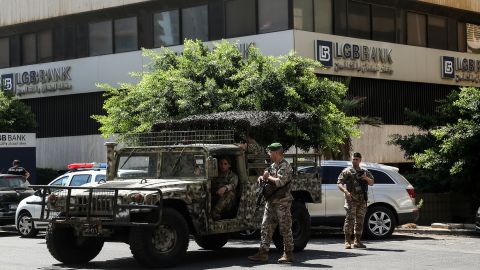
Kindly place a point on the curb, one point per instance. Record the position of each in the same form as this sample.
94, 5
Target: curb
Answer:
8, 229
455, 232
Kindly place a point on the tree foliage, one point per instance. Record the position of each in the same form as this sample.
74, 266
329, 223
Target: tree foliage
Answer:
203, 80
447, 153
15, 116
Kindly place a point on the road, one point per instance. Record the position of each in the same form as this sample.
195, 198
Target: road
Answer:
403, 251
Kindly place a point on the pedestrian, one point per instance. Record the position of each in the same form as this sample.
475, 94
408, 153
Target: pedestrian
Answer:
277, 208
353, 182
17, 170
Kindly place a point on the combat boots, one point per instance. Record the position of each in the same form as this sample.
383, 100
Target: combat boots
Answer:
348, 241
357, 243
261, 256
287, 257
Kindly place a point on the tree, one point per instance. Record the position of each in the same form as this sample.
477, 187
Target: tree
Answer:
15, 116
203, 80
448, 150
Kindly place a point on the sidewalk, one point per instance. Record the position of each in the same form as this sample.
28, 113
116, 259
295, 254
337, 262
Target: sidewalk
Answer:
441, 229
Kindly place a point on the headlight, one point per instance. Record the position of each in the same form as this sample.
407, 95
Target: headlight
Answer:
137, 198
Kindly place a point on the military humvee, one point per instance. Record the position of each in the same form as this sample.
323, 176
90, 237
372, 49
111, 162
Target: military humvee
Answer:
158, 193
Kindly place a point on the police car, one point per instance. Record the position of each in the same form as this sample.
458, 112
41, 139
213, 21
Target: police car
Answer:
79, 174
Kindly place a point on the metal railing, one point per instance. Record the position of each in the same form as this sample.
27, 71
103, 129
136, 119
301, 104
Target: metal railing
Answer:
170, 137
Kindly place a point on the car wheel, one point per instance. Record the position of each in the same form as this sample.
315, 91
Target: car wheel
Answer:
25, 226
301, 228
164, 245
379, 222
212, 242
66, 247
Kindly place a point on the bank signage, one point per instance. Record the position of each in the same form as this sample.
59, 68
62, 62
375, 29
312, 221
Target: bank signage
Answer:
37, 81
460, 69
354, 57
8, 140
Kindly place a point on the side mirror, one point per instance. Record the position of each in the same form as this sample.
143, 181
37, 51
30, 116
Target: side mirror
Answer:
212, 167
38, 192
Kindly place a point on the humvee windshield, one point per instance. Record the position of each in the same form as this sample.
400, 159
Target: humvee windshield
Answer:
137, 165
182, 164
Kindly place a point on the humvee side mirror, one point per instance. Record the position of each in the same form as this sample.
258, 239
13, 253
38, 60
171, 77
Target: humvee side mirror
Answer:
212, 167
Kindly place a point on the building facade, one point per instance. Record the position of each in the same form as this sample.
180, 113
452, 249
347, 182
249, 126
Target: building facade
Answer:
396, 54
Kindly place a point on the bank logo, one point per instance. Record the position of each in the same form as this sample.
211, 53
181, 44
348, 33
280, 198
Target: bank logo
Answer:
323, 52
448, 67
7, 82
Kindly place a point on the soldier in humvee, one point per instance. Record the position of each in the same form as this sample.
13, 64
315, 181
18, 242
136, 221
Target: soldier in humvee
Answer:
224, 188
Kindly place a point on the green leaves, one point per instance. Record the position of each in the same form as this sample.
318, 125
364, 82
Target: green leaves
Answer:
205, 80
15, 116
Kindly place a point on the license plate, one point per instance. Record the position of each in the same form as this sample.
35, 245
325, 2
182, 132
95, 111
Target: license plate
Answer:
91, 229
13, 206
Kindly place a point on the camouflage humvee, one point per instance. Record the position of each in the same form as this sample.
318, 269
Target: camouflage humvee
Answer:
159, 193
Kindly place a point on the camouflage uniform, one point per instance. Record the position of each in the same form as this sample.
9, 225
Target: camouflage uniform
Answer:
357, 207
277, 208
230, 180
255, 149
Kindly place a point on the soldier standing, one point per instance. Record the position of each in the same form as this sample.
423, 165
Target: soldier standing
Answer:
356, 180
277, 208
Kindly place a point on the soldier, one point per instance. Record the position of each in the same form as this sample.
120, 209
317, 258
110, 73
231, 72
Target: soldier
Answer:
17, 170
356, 180
277, 208
251, 146
224, 188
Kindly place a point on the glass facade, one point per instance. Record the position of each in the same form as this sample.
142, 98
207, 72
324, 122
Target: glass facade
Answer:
303, 15
100, 38
383, 24
240, 18
4, 52
29, 49
437, 32
272, 15
195, 23
45, 46
166, 28
126, 35
416, 29
359, 20
323, 16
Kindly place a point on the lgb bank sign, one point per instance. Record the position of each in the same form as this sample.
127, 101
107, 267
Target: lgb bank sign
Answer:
460, 69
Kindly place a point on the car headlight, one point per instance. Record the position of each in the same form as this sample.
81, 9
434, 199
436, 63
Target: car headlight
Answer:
137, 198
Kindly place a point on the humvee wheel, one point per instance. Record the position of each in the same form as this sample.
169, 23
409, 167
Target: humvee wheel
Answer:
164, 245
300, 228
212, 242
70, 249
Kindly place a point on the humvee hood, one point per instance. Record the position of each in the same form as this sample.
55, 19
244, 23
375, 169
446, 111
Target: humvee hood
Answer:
165, 185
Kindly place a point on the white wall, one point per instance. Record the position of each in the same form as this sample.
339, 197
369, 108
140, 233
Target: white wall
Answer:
21, 11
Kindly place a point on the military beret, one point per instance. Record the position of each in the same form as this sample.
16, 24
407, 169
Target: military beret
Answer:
274, 146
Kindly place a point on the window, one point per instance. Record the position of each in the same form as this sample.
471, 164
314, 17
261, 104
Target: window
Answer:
60, 182
416, 29
195, 23
272, 15
100, 177
45, 51
79, 179
303, 15
126, 34
29, 49
462, 37
359, 20
240, 17
473, 38
381, 177
437, 32
323, 16
100, 38
4, 52
166, 28
383, 24
340, 11
330, 174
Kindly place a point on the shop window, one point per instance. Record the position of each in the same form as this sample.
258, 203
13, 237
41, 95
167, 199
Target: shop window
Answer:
359, 20
45, 47
383, 24
29, 49
240, 18
126, 34
437, 32
303, 15
82, 43
473, 38
166, 28
195, 23
100, 38
462, 37
340, 17
272, 15
416, 29
323, 16
4, 52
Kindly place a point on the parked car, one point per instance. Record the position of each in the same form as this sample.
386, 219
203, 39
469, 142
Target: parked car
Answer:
13, 188
80, 174
477, 221
391, 201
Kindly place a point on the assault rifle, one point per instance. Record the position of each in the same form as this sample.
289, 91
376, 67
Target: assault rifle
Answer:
363, 184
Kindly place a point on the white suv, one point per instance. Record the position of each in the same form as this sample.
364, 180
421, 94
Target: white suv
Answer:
28, 228
391, 200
